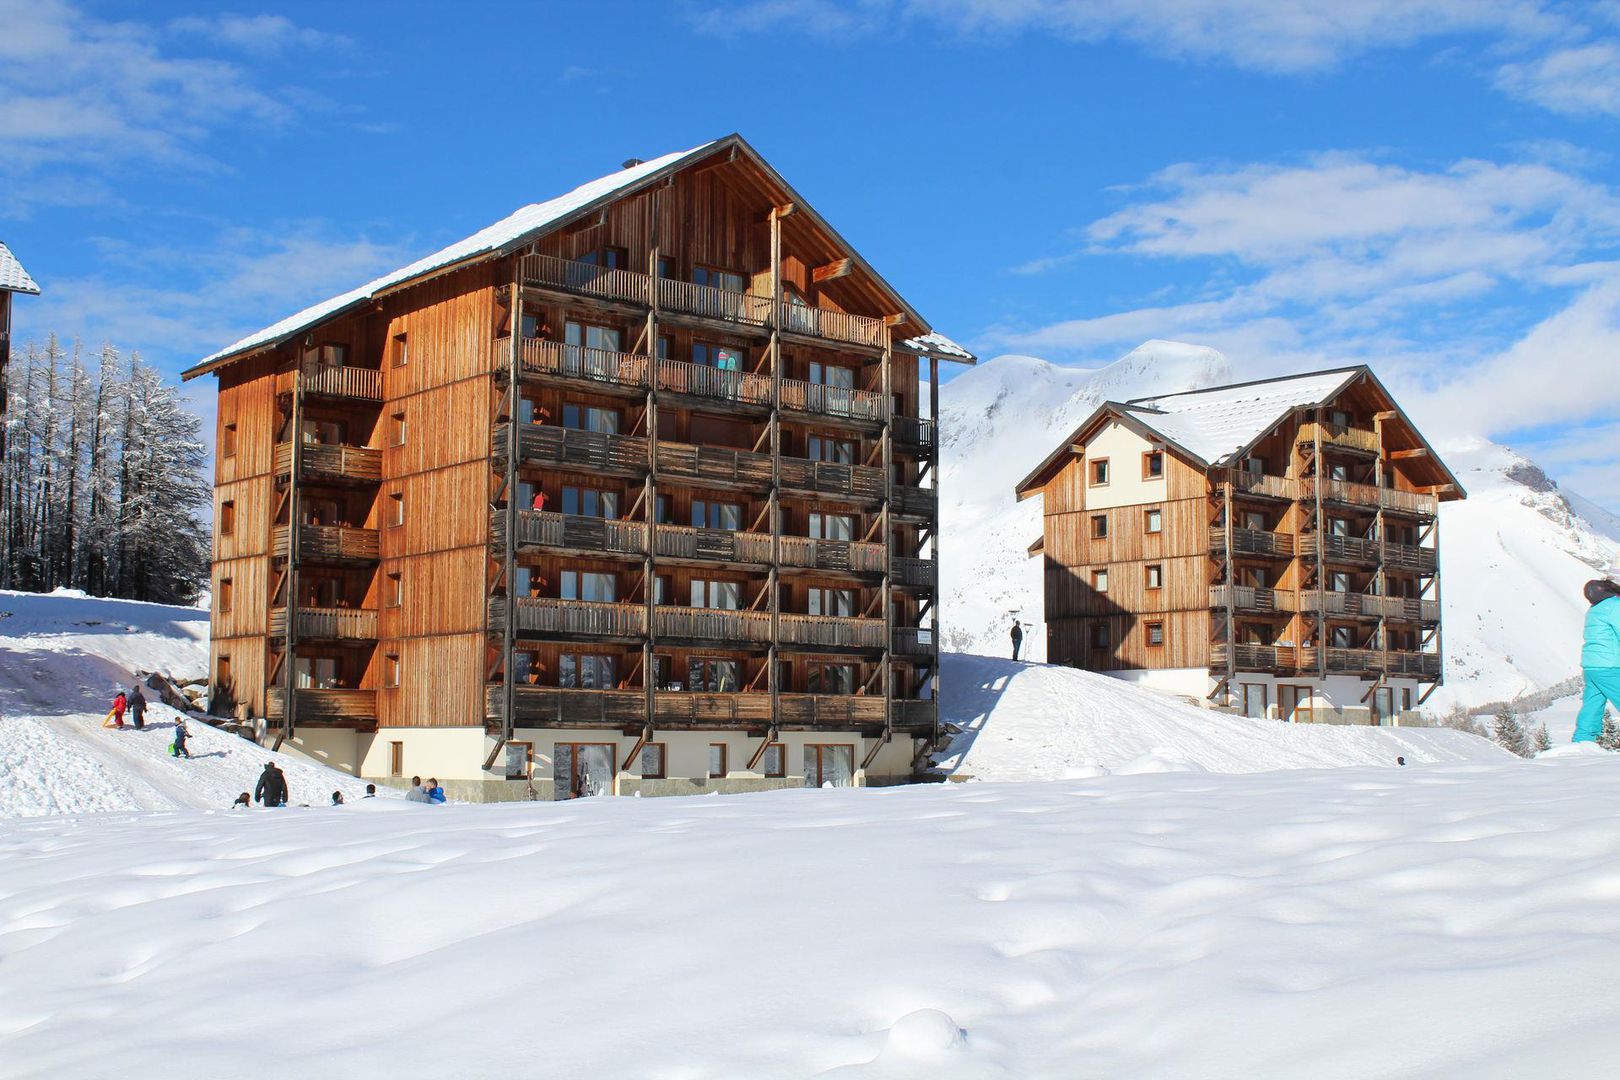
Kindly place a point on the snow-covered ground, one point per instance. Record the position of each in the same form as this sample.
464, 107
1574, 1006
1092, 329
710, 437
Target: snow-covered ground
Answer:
1033, 722
62, 658
1449, 920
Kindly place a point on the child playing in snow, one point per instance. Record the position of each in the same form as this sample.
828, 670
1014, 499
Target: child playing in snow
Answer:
180, 738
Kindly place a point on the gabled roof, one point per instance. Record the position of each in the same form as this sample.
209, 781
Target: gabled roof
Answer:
1217, 426
13, 278
530, 223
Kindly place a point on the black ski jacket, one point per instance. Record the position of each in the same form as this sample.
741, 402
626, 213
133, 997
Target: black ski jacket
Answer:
272, 789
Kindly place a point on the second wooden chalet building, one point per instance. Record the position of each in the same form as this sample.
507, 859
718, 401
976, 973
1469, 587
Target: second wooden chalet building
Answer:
632, 491
1270, 547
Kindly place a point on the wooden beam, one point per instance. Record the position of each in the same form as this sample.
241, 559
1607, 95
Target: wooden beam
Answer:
829, 271
1403, 455
1387, 414
764, 216
1440, 489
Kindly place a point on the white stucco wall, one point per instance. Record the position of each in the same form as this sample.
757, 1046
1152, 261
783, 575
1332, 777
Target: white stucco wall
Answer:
1124, 449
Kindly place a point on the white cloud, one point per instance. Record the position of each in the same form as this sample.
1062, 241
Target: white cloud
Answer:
264, 34
1583, 80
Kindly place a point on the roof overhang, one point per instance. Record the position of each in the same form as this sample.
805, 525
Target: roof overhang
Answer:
1119, 412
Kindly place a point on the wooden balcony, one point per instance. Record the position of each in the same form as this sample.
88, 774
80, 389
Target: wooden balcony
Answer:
712, 625
327, 624
1411, 558
712, 545
341, 381
335, 544
1259, 486
679, 708
913, 573
834, 556
587, 279
573, 449
1253, 657
831, 711
323, 463
914, 642
807, 397
807, 321
1371, 662
1346, 605
1339, 549
830, 632
715, 465
571, 532
1339, 437
626, 709
912, 715
1249, 600
1411, 610
915, 502
1367, 496
548, 617
856, 483
709, 302
712, 383
537, 706
600, 367
325, 708
1256, 542
913, 434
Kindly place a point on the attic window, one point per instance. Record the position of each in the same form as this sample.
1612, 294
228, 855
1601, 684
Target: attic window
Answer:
1099, 472
1153, 465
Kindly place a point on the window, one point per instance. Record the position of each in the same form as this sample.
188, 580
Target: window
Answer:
832, 679
402, 352
1155, 521
227, 517
1338, 581
1099, 580
1153, 465
829, 766
1099, 526
832, 526
1339, 418
724, 357
1099, 472
590, 502
227, 441
1406, 698
666, 267
832, 375
719, 279
394, 592
823, 448
713, 676
717, 761
396, 509
585, 671
396, 759
391, 670
222, 676
225, 591
1255, 703
838, 602
396, 429
1099, 635
663, 589
1339, 472
1342, 637
1254, 466
652, 761
773, 764
519, 760
1255, 520
586, 585
1383, 705
665, 511
584, 335
1294, 704
716, 515
330, 354
590, 418
1338, 526
613, 258
1155, 635
1155, 576
708, 593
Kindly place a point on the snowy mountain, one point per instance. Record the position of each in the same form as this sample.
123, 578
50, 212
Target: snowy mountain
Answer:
1515, 552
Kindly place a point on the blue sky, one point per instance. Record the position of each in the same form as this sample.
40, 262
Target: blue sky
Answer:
1428, 185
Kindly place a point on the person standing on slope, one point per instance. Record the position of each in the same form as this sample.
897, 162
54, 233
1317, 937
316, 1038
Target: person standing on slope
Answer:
180, 734
1600, 658
137, 708
1017, 638
120, 703
272, 789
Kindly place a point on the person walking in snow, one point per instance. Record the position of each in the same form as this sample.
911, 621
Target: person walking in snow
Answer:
272, 789
180, 736
137, 708
1017, 638
120, 703
1600, 658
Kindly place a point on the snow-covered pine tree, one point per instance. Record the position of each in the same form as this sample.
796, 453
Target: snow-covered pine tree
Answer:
1541, 740
166, 547
1508, 732
1609, 737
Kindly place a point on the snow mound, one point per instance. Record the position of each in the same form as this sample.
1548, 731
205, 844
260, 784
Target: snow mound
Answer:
1033, 722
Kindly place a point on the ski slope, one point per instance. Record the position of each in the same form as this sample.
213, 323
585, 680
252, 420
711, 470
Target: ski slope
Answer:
62, 658
1444, 921
1032, 722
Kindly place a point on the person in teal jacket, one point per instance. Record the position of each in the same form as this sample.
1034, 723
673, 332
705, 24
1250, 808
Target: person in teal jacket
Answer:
1600, 658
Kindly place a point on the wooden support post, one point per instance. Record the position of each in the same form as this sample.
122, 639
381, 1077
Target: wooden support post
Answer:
1380, 572
289, 641
886, 376
933, 542
649, 571
773, 680
1231, 591
509, 551
1321, 545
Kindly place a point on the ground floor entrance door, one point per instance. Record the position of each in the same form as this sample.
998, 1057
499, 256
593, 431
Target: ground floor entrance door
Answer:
581, 769
1294, 704
829, 765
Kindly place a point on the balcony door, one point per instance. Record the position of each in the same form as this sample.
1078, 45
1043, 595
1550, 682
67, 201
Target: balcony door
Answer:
829, 766
1294, 704
582, 769
587, 349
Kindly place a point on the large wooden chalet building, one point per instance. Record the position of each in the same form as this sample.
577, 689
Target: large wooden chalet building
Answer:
632, 491
1270, 547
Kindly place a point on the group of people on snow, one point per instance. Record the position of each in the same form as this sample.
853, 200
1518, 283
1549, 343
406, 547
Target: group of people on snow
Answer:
134, 705
430, 792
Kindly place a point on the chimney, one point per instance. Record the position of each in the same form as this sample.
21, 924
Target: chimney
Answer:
631, 163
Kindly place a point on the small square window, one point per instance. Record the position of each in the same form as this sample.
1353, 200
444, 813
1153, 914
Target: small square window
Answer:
1099, 580
1155, 634
1099, 472
227, 518
717, 761
1155, 576
652, 761
1153, 465
1155, 521
1099, 526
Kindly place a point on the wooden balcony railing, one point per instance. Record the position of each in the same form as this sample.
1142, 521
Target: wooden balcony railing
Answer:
1338, 549
1349, 493
328, 543
1413, 558
536, 357
327, 624
916, 502
721, 384
571, 448
333, 708
1370, 662
545, 529
538, 615
796, 318
1253, 657
342, 381
587, 279
855, 482
716, 545
831, 710
1262, 486
909, 431
839, 556
1347, 604
914, 573
552, 705
549, 705
680, 708
831, 632
1253, 542
710, 302
713, 624
324, 462
714, 464
808, 397
1341, 436
912, 715
1249, 599
913, 641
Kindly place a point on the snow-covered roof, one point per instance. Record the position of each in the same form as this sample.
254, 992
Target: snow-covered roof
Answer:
1217, 423
937, 344
509, 230
13, 278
